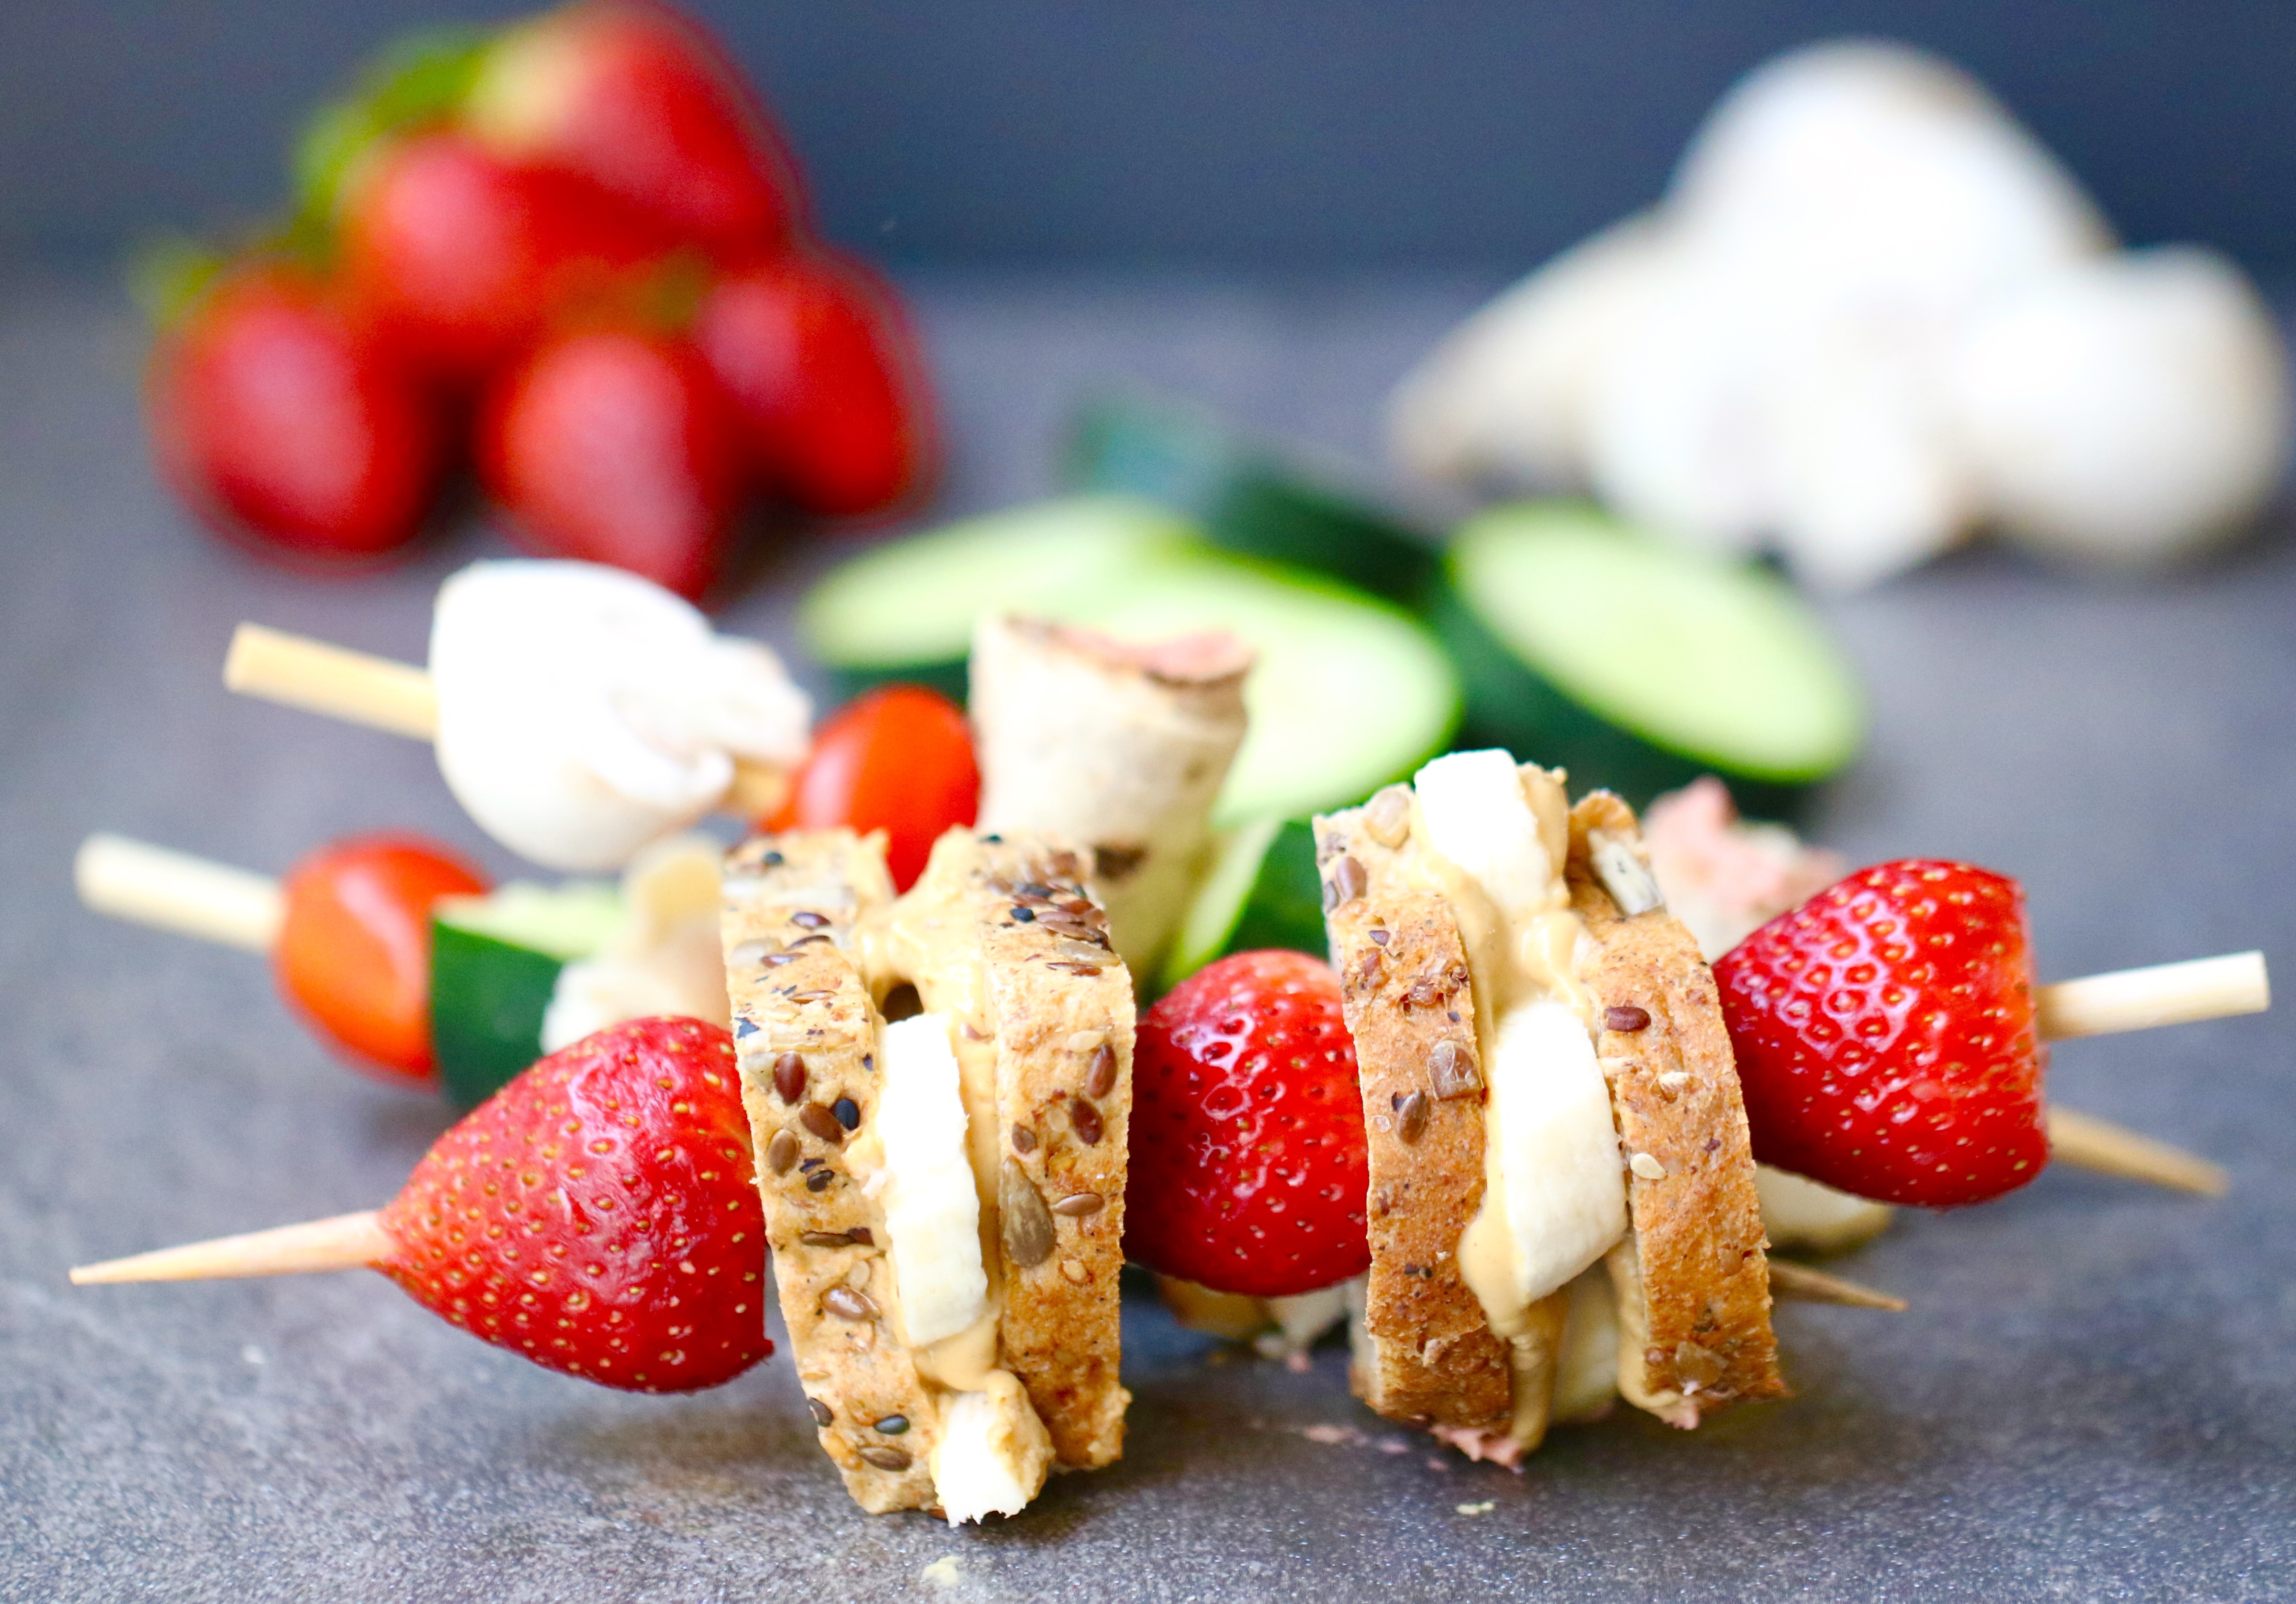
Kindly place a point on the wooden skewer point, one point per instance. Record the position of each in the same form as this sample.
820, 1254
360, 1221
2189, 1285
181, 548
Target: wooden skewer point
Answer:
2164, 994
351, 1242
1802, 1284
2087, 1142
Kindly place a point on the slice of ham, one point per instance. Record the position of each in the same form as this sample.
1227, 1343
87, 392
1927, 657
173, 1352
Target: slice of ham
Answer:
1722, 877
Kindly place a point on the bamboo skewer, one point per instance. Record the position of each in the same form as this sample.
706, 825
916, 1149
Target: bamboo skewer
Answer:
354, 686
351, 1242
399, 697
2090, 1143
193, 896
174, 891
2164, 994
358, 1241
1800, 1283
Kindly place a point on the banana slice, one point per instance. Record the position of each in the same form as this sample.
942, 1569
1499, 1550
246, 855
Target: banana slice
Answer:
993, 1455
1478, 816
1566, 1194
664, 958
932, 1212
1800, 1215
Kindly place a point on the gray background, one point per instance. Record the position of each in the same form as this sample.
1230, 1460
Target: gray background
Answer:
1218, 133
2091, 1397
1273, 209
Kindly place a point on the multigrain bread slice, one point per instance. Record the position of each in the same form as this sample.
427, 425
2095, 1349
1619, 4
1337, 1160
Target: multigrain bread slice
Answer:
1060, 1001
1692, 1282
1424, 1351
797, 910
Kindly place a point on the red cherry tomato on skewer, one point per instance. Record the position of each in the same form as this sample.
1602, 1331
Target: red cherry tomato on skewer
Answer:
899, 759
354, 951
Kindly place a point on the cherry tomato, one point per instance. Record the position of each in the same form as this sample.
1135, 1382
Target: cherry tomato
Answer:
898, 759
353, 952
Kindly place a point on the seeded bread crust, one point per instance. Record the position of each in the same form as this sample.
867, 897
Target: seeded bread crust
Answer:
792, 993
1062, 1310
1060, 996
1697, 1258
1425, 1354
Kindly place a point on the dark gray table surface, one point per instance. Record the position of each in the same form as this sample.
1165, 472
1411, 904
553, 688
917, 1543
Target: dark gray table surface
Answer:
2093, 1396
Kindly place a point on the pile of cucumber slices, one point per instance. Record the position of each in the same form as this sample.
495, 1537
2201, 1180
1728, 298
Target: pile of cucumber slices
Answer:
1546, 627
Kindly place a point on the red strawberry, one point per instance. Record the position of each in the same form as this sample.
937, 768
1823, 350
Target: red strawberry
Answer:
615, 445
599, 1215
1885, 1039
633, 97
828, 381
281, 425
456, 256
1249, 1164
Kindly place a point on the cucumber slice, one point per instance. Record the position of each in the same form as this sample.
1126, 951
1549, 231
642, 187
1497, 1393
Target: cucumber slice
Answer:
1639, 666
905, 610
495, 962
1249, 499
1348, 692
1263, 891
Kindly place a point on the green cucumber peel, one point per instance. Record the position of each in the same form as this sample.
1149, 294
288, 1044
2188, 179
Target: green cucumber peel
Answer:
1638, 666
495, 964
1262, 891
1250, 499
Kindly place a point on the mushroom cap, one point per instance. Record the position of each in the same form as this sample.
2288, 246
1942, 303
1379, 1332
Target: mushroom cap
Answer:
1873, 173
2128, 410
1505, 397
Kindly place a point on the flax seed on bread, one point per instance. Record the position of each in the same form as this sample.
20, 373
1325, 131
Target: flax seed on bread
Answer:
1427, 1353
1693, 1284
804, 1036
1061, 1002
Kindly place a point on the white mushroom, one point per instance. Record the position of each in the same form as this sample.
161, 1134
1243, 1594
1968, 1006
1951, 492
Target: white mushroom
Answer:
1867, 176
1808, 346
584, 712
2127, 410
1504, 396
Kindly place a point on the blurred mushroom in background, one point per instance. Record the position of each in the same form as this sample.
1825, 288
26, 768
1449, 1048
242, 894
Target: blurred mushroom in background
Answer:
1871, 317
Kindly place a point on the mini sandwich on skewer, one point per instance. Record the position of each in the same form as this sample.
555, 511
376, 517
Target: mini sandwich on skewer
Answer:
1547, 1088
1520, 1116
944, 1188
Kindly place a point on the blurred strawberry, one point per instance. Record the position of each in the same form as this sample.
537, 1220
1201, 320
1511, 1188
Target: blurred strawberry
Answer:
615, 445
826, 379
456, 256
633, 97
280, 424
